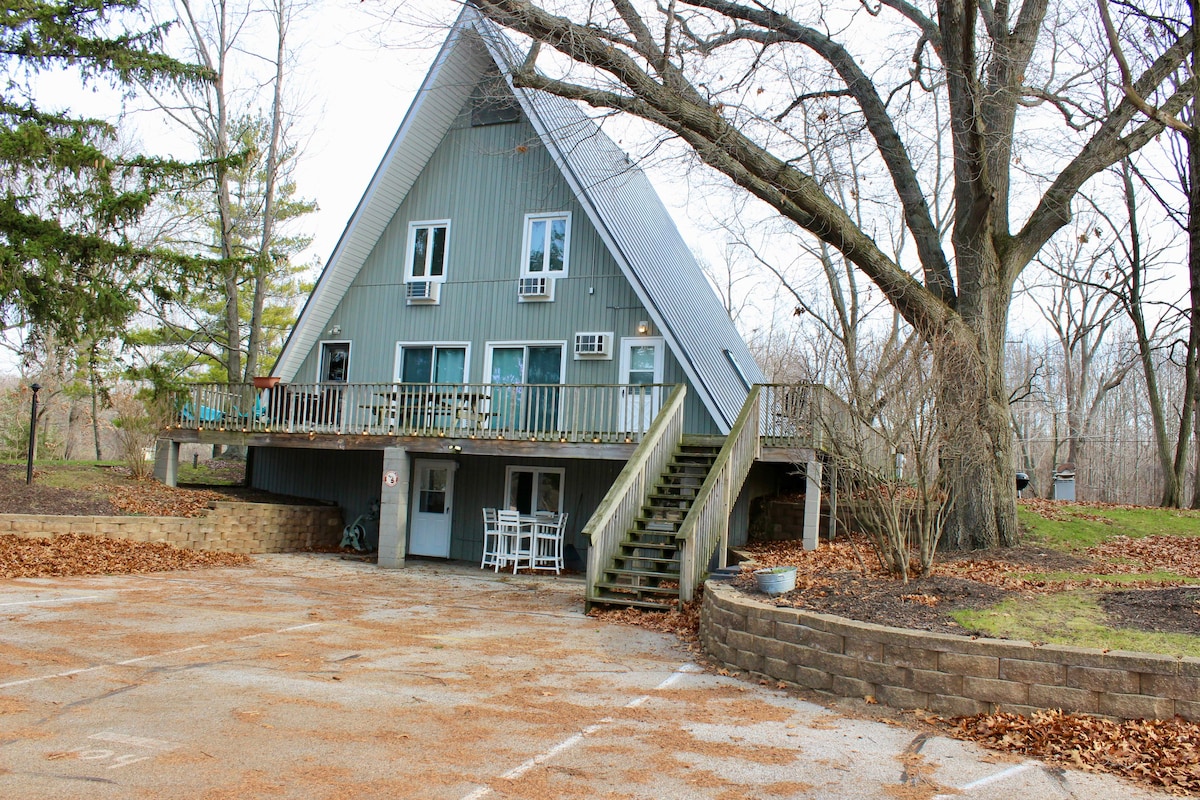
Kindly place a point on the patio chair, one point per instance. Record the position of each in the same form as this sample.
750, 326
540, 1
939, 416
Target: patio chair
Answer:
491, 540
548, 542
516, 541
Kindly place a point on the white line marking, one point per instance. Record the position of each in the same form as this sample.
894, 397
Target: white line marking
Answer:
134, 741
129, 661
576, 738
281, 630
153, 656
56, 600
993, 778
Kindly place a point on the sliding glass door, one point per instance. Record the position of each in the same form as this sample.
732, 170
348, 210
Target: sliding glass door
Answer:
525, 407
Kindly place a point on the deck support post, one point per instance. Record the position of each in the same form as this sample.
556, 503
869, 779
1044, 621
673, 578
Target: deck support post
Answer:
393, 508
812, 504
166, 461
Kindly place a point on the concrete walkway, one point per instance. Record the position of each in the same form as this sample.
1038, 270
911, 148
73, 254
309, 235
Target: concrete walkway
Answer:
317, 678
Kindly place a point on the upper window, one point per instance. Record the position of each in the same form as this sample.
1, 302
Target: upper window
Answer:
427, 250
547, 243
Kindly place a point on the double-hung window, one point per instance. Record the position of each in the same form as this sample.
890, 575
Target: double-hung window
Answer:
547, 245
427, 251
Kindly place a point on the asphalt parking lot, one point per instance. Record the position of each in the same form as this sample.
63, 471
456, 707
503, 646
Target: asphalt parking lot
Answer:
313, 677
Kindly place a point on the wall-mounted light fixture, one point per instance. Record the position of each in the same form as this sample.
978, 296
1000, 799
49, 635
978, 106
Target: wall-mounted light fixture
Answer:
335, 330
643, 327
455, 448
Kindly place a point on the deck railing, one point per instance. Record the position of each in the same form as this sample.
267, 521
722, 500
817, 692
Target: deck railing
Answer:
810, 415
707, 524
554, 412
614, 517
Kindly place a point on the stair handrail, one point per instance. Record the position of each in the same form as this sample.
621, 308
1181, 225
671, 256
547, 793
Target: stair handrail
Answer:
616, 512
707, 522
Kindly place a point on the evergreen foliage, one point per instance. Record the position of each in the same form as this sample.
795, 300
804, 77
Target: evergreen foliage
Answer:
70, 265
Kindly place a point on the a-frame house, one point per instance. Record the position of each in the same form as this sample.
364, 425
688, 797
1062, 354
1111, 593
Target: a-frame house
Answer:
511, 320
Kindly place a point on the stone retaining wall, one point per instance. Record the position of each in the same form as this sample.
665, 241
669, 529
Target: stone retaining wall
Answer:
949, 675
228, 527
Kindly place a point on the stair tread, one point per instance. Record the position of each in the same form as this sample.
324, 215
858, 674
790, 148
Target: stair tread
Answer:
628, 589
650, 604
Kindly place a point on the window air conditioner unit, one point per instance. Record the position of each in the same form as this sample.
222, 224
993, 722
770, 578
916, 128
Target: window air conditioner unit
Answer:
535, 289
421, 292
593, 345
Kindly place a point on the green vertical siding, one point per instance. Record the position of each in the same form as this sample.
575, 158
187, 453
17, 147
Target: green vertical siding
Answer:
479, 483
350, 478
485, 180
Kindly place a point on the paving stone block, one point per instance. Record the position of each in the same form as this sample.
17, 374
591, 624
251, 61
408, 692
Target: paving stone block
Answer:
975, 666
779, 670
914, 657
924, 680
1103, 680
1044, 672
1068, 699
760, 626
809, 637
851, 687
1135, 706
811, 678
862, 649
898, 697
948, 705
995, 691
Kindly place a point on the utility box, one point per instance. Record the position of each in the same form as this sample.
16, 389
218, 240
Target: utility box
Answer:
1064, 482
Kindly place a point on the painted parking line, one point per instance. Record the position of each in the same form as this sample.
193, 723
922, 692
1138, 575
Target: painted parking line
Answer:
576, 738
153, 656
995, 777
55, 600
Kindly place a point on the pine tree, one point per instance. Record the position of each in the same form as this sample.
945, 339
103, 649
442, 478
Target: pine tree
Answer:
70, 266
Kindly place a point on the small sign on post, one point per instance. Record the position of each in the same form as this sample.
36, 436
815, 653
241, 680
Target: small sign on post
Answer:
390, 478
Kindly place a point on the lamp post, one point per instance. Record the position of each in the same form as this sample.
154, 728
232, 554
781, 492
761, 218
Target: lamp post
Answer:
32, 434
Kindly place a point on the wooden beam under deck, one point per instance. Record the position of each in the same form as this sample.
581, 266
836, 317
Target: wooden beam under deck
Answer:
787, 455
521, 448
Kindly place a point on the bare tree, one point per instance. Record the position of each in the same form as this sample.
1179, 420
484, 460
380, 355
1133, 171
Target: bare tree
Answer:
1080, 312
238, 212
723, 76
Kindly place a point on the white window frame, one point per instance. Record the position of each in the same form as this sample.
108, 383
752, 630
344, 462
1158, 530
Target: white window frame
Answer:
398, 366
411, 240
527, 240
321, 358
510, 469
562, 365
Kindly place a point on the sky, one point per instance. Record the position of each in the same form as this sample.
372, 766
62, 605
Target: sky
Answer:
354, 79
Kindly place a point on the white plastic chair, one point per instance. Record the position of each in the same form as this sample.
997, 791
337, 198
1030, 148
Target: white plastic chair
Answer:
548, 542
511, 547
491, 540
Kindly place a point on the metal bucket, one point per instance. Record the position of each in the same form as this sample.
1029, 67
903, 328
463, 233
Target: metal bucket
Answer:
775, 580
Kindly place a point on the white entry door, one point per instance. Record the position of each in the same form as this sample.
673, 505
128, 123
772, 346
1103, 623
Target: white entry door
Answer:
432, 501
641, 367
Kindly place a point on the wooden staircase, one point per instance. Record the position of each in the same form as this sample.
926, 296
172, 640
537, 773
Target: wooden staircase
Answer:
644, 571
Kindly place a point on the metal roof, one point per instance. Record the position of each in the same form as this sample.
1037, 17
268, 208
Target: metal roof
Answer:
619, 200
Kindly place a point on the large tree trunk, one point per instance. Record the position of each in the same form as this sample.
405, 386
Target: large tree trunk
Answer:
977, 437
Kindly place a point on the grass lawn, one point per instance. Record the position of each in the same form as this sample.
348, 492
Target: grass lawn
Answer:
1072, 614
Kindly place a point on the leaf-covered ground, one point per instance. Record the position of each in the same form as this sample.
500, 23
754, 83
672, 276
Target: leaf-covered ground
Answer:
102, 490
94, 555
